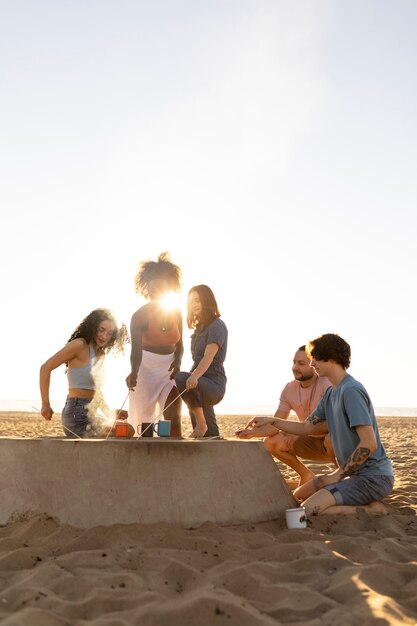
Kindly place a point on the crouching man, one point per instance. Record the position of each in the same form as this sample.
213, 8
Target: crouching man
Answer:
364, 475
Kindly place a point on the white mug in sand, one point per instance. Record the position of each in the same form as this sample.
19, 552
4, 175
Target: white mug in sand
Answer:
296, 518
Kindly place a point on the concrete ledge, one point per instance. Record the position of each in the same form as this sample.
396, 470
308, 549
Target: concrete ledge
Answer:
90, 483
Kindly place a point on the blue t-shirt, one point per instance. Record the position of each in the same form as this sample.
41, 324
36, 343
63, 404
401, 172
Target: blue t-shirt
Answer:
216, 332
344, 407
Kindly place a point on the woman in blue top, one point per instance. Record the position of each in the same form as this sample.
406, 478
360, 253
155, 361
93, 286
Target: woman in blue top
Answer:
83, 356
205, 385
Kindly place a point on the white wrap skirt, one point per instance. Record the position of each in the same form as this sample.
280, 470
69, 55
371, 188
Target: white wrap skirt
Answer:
148, 399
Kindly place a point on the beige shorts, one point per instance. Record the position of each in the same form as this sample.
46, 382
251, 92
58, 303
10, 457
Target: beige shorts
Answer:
312, 449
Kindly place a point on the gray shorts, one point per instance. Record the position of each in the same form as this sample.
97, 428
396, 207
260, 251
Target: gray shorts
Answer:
361, 489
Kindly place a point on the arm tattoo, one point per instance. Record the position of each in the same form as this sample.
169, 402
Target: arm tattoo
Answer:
313, 419
356, 459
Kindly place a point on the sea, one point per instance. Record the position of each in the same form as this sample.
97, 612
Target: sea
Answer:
221, 409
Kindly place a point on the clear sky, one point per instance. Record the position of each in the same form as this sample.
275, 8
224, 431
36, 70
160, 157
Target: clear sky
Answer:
269, 146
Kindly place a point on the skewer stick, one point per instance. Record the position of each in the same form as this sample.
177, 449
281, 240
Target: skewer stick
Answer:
117, 415
161, 414
64, 427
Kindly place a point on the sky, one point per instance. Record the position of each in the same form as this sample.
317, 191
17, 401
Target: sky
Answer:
269, 146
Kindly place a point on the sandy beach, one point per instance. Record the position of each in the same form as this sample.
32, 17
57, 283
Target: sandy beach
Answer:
347, 570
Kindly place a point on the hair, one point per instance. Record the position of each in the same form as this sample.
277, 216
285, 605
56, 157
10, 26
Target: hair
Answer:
330, 347
88, 328
209, 309
301, 349
162, 268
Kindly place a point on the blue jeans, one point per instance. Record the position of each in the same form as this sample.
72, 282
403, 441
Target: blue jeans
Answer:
75, 418
207, 393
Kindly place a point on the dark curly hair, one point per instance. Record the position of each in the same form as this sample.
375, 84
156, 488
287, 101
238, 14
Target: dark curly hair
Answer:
329, 347
88, 328
209, 309
162, 268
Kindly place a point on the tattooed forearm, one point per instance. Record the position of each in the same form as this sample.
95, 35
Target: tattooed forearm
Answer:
313, 419
356, 459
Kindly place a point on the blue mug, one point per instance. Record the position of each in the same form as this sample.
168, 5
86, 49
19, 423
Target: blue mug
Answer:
162, 428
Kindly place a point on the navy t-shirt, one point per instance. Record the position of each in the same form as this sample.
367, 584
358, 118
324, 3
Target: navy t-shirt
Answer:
216, 332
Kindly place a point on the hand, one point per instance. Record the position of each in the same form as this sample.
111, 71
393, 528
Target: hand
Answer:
257, 431
259, 421
334, 477
327, 479
47, 412
312, 486
131, 380
192, 382
245, 433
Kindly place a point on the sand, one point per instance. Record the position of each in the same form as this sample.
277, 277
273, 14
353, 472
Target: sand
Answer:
349, 570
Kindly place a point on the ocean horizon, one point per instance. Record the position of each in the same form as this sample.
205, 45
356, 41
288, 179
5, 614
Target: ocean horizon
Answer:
221, 409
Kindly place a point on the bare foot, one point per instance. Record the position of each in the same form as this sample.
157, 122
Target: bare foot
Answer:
376, 508
199, 432
306, 477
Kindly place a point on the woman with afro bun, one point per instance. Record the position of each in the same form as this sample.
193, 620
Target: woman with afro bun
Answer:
157, 348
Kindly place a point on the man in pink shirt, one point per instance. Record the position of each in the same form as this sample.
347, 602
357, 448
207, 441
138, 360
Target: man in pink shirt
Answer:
301, 395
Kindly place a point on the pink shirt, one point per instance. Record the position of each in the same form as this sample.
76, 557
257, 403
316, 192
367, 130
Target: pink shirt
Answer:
302, 400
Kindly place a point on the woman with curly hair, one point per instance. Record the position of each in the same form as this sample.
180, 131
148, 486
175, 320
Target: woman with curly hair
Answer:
157, 348
205, 385
97, 335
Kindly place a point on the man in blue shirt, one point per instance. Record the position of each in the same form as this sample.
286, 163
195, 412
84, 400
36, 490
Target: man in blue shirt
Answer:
364, 474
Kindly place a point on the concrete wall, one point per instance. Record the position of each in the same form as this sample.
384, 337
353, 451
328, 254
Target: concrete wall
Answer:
89, 483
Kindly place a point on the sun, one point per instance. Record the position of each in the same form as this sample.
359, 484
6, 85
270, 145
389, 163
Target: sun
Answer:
170, 301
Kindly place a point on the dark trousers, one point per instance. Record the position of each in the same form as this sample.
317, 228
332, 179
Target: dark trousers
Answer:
207, 393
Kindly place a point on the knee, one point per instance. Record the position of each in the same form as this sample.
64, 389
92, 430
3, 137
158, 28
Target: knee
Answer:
270, 444
180, 380
275, 444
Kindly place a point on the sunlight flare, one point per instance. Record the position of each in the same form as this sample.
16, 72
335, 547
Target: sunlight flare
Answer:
170, 301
